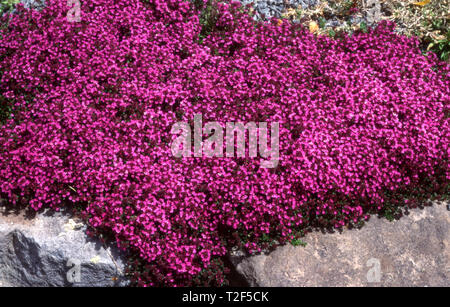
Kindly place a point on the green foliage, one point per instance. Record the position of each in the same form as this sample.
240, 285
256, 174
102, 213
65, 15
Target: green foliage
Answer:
7, 5
331, 33
5, 109
298, 242
390, 213
296, 238
208, 17
363, 27
441, 46
322, 22
429, 22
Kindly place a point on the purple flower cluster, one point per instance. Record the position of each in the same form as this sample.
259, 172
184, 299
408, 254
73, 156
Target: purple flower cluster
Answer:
93, 104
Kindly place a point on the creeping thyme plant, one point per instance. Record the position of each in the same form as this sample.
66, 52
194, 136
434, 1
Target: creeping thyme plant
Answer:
364, 127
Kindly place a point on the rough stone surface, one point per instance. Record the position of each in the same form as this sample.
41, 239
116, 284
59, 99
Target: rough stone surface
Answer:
35, 4
36, 252
413, 251
266, 9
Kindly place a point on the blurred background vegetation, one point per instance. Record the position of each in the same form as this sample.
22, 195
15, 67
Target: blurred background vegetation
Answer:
7, 5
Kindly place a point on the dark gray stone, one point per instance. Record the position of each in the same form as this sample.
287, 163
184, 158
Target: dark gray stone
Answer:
39, 251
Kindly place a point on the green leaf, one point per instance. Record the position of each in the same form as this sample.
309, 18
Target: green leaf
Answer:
332, 33
363, 27
322, 22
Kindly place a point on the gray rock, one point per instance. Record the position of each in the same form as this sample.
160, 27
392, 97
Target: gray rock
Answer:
305, 4
266, 9
33, 4
53, 250
413, 251
333, 23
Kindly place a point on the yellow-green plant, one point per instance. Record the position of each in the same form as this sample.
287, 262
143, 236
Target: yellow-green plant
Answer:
7, 5
429, 20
